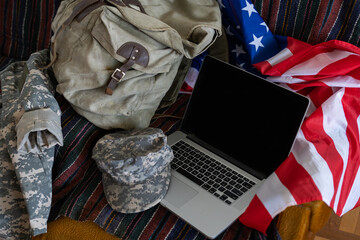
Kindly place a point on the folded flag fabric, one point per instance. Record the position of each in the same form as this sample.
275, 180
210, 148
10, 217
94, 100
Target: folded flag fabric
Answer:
325, 159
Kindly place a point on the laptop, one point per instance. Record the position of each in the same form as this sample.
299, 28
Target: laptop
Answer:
237, 129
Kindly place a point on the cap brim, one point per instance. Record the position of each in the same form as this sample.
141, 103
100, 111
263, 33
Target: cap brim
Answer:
139, 196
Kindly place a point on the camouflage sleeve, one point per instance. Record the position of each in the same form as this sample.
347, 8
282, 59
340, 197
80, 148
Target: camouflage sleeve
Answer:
30, 129
38, 130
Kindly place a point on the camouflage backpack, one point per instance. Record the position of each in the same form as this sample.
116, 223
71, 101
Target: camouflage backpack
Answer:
115, 60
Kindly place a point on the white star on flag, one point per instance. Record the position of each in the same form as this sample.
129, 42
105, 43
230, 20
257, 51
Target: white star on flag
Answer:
257, 42
221, 4
264, 24
240, 65
238, 50
249, 8
228, 31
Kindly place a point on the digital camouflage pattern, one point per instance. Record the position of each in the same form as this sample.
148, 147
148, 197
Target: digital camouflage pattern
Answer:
136, 168
30, 128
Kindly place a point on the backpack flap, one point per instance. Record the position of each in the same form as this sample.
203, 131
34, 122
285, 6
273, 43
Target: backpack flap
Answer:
188, 26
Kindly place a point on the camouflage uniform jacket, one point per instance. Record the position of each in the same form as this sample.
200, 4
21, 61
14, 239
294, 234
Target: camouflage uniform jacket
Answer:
30, 128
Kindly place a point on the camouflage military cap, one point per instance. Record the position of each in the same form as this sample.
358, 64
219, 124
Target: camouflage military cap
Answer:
135, 168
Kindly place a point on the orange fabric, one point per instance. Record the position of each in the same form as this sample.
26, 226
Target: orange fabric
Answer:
65, 228
298, 222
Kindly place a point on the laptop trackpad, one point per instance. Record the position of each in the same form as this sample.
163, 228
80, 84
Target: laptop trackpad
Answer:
176, 199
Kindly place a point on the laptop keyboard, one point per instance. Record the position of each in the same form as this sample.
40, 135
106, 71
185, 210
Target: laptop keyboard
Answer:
211, 175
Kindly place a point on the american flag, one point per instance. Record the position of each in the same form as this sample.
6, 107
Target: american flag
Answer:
325, 159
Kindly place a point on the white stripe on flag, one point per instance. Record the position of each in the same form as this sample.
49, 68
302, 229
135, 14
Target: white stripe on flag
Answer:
279, 57
354, 194
315, 64
338, 81
306, 155
274, 195
284, 79
342, 81
335, 124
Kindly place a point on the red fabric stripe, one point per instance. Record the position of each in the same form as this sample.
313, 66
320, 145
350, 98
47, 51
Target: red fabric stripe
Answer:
335, 10
265, 8
297, 46
233, 231
91, 201
153, 223
301, 89
351, 107
313, 36
57, 183
186, 87
256, 216
355, 74
2, 18
79, 194
263, 67
48, 26
357, 204
43, 26
170, 223
96, 212
68, 173
307, 53
320, 94
298, 181
294, 46
8, 28
314, 132
71, 169
273, 13
170, 111
341, 67
308, 85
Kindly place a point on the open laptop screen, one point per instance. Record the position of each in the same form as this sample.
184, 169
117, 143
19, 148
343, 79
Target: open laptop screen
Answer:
244, 117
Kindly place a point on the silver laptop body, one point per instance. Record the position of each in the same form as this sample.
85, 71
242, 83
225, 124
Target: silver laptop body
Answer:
244, 128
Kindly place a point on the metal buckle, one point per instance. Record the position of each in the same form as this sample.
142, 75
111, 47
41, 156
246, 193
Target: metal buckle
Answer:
115, 78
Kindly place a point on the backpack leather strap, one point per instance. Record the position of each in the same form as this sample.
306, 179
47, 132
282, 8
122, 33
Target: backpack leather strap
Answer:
135, 54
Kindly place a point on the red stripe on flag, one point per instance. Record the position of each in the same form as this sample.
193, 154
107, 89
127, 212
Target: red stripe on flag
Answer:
341, 67
305, 52
256, 216
319, 95
351, 105
263, 67
294, 46
298, 181
297, 46
314, 132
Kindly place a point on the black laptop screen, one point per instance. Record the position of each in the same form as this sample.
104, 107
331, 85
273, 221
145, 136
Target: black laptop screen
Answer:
244, 117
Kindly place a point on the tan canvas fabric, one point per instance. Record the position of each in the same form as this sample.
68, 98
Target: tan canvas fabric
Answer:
86, 54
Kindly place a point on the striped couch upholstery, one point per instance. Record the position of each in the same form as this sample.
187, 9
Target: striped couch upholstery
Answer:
312, 21
77, 188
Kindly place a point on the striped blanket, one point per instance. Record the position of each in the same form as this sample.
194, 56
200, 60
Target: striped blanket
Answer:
77, 188
78, 191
